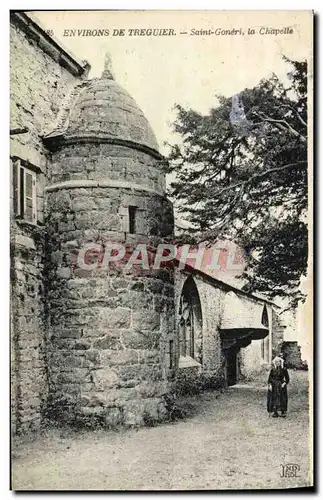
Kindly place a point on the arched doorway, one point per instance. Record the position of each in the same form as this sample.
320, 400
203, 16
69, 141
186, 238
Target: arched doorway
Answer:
190, 321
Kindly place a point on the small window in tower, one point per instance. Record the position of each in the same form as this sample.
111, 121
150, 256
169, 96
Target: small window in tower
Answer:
132, 219
24, 192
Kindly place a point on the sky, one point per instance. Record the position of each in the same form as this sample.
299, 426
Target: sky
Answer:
188, 69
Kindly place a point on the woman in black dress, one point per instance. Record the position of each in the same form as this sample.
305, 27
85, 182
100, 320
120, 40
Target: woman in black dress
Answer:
278, 379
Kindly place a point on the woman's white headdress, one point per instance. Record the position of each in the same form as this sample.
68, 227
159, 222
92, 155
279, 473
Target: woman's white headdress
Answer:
278, 358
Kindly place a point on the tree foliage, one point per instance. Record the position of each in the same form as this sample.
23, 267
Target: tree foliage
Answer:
248, 182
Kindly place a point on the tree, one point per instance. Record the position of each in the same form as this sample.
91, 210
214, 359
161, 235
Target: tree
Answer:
247, 180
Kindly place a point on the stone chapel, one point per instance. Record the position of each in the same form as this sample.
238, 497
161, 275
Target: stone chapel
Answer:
86, 344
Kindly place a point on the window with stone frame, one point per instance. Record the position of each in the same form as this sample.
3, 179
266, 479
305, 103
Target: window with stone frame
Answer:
132, 219
186, 323
190, 319
264, 317
137, 220
24, 191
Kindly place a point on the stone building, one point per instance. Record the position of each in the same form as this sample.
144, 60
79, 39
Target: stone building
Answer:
87, 344
292, 355
225, 335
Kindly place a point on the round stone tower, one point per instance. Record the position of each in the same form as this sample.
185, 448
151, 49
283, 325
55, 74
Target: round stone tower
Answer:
111, 328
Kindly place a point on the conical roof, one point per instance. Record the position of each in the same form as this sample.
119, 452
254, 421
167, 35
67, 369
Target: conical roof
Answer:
101, 108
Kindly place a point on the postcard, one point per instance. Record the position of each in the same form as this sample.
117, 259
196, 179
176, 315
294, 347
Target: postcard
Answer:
161, 243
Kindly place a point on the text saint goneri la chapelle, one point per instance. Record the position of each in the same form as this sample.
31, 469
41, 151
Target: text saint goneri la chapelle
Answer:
157, 32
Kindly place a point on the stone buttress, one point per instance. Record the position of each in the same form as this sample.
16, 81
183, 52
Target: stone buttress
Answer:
111, 331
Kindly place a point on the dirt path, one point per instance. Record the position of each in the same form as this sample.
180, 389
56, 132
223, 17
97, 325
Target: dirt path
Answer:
231, 443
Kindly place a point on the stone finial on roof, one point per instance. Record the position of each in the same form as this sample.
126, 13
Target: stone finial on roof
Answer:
107, 72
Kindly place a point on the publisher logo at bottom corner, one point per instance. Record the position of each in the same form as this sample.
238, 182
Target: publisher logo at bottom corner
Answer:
289, 470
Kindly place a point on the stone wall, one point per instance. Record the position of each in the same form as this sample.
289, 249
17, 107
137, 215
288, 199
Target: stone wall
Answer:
111, 328
111, 162
211, 301
27, 341
292, 354
207, 370
257, 356
212, 365
251, 360
37, 86
277, 333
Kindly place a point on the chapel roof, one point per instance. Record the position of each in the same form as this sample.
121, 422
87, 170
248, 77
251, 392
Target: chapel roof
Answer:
226, 286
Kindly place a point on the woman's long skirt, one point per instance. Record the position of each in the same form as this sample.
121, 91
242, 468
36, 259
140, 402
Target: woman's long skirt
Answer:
277, 398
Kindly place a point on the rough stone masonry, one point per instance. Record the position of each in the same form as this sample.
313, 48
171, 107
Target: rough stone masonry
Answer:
109, 334
85, 345
38, 84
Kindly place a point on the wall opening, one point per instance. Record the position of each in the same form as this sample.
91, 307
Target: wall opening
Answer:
132, 219
264, 317
190, 321
24, 192
265, 351
231, 365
